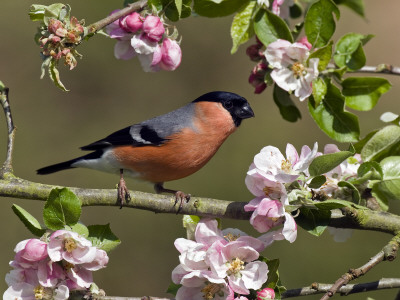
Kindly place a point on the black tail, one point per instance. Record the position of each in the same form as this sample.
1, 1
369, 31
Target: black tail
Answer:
57, 167
68, 164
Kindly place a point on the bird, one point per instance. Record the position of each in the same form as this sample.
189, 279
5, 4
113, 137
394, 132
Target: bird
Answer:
167, 147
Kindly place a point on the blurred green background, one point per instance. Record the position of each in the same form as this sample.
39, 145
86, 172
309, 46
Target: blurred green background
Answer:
108, 94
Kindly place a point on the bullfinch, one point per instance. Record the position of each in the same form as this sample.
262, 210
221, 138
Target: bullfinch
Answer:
167, 147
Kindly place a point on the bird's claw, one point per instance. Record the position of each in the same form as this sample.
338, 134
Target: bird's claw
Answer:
123, 193
180, 197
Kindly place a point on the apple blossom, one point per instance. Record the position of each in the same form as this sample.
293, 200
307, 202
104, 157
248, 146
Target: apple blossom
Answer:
131, 23
71, 247
291, 71
266, 294
171, 55
153, 27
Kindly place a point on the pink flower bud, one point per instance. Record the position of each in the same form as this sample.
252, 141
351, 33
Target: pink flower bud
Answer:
54, 38
257, 82
265, 294
153, 27
34, 250
305, 42
131, 23
57, 27
171, 55
254, 52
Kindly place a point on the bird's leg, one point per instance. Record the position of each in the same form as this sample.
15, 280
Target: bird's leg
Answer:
179, 195
123, 192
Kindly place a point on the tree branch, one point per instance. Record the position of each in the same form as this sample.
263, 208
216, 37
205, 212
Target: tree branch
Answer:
319, 288
7, 169
93, 28
388, 252
381, 68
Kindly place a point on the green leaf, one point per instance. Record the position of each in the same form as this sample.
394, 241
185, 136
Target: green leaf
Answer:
178, 4
173, 288
319, 90
273, 274
362, 93
389, 187
319, 22
356, 5
332, 118
62, 208
270, 27
29, 221
55, 75
36, 12
242, 26
324, 54
190, 223
361, 143
102, 237
286, 106
381, 143
355, 193
53, 12
317, 182
370, 170
332, 204
78, 228
349, 52
221, 8
313, 220
325, 163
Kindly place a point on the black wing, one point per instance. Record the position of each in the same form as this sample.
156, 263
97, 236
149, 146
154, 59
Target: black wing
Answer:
136, 135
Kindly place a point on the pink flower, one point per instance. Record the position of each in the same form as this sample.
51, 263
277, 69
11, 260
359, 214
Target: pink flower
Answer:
153, 28
26, 291
305, 42
266, 294
171, 55
236, 261
32, 250
131, 23
142, 45
71, 247
275, 167
205, 290
100, 261
290, 69
114, 25
57, 27
123, 49
151, 62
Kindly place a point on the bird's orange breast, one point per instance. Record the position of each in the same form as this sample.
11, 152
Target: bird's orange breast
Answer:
186, 151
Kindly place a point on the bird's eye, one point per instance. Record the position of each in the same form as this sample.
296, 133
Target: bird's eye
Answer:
228, 104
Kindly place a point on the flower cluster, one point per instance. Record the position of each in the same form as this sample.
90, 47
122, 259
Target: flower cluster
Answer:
59, 40
291, 69
219, 264
270, 179
266, 180
146, 38
52, 268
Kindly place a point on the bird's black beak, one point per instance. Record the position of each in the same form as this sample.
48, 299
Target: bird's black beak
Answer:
245, 112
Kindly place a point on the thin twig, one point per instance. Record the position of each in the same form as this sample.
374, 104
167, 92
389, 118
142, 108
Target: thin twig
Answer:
7, 165
319, 288
93, 28
389, 253
381, 68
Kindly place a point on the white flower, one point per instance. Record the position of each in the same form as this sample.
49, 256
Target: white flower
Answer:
290, 69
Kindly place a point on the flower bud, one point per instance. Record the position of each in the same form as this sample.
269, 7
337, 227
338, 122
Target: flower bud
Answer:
131, 23
153, 27
34, 250
305, 42
57, 27
254, 52
266, 294
257, 81
171, 55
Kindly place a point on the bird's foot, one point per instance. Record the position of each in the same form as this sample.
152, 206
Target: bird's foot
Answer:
123, 192
179, 195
